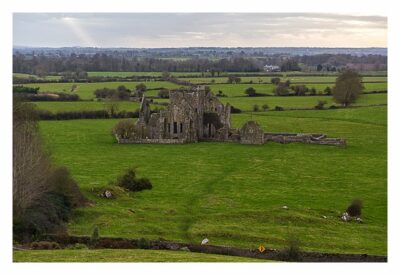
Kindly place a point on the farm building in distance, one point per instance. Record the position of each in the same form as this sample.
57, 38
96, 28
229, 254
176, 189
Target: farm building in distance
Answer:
272, 68
198, 115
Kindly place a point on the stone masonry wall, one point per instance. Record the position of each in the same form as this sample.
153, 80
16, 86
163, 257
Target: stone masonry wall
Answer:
304, 138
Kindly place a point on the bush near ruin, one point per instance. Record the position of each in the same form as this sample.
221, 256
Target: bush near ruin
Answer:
130, 182
354, 209
124, 129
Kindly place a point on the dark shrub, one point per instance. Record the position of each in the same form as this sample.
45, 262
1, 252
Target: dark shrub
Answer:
300, 90
25, 90
256, 108
52, 209
250, 91
143, 183
328, 90
275, 80
221, 94
320, 105
163, 93
143, 243
64, 184
44, 245
333, 107
235, 110
106, 93
47, 97
131, 183
354, 209
234, 79
292, 250
94, 238
282, 89
265, 107
124, 129
141, 87
278, 108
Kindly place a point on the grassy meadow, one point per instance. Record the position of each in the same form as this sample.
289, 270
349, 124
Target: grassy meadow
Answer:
86, 90
292, 79
233, 194
122, 255
243, 103
230, 193
62, 106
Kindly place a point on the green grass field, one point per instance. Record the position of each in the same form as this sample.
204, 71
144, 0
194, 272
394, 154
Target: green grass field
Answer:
49, 77
205, 74
232, 90
86, 90
233, 194
61, 106
243, 103
288, 102
293, 79
121, 255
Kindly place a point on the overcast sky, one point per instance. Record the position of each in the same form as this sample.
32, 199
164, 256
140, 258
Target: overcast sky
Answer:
152, 30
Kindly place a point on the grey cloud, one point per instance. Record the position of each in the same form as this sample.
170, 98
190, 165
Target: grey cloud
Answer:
187, 29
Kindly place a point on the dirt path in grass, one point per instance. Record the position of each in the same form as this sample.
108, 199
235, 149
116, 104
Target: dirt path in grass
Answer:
193, 206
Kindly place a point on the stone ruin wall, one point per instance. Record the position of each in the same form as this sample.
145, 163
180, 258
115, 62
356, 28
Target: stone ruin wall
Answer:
151, 141
157, 128
304, 138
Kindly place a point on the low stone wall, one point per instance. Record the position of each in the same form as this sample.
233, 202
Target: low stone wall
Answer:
283, 138
304, 138
268, 254
151, 141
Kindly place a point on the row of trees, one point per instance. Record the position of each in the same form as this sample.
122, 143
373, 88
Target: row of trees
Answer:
347, 89
44, 64
121, 93
77, 65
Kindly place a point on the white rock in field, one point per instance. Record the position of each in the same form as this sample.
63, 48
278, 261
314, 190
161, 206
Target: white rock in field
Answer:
324, 217
358, 219
345, 217
205, 241
285, 207
108, 194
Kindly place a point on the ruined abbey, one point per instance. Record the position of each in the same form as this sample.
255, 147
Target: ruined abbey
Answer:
198, 115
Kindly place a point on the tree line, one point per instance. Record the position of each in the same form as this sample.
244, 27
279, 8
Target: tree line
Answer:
44, 64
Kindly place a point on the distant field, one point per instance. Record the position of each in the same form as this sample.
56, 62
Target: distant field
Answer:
267, 79
49, 77
233, 194
121, 255
243, 103
86, 90
60, 106
247, 103
128, 74
233, 90
208, 74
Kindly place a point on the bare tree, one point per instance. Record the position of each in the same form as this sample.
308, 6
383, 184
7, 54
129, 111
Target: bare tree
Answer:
31, 164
